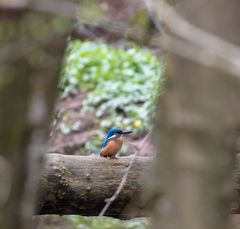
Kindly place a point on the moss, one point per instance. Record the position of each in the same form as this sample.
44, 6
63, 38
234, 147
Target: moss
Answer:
108, 223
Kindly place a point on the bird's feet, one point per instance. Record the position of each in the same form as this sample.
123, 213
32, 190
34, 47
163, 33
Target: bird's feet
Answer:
111, 157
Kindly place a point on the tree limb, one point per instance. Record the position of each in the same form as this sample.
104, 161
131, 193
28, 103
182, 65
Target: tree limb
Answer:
80, 185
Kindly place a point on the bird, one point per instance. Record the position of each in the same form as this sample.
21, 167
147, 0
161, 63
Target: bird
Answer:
112, 143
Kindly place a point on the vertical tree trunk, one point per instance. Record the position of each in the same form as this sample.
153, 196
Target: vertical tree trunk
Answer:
196, 130
31, 49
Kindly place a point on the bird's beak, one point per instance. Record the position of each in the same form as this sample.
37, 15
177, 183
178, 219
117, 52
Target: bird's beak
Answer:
126, 132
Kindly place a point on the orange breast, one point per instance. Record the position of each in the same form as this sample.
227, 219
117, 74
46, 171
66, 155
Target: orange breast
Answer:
112, 148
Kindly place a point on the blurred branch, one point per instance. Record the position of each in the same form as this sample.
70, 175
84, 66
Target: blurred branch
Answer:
196, 142
84, 27
28, 89
13, 4
211, 50
56, 7
192, 42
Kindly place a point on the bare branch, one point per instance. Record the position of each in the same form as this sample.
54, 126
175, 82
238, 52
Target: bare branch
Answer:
14, 4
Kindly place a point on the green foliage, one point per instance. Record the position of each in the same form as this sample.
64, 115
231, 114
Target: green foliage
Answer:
107, 223
122, 85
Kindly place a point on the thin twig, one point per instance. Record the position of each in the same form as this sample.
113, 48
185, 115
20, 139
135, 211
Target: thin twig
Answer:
124, 179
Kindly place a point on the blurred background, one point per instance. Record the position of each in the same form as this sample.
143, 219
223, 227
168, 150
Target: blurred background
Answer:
103, 86
166, 70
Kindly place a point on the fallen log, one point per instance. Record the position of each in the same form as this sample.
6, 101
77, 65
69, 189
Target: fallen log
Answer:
235, 206
81, 184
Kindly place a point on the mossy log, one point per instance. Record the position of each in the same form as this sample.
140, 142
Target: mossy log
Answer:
81, 184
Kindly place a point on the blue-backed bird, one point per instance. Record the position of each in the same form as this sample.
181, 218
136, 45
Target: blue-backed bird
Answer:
113, 143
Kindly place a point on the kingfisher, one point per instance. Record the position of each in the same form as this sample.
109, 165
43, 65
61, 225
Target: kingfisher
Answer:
113, 143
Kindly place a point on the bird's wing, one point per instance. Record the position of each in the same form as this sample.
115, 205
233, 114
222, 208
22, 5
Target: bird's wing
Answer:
108, 140
105, 142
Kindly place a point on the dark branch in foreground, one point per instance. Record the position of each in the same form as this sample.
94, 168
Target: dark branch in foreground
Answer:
80, 185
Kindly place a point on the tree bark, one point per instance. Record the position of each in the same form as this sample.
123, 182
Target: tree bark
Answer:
196, 130
81, 184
